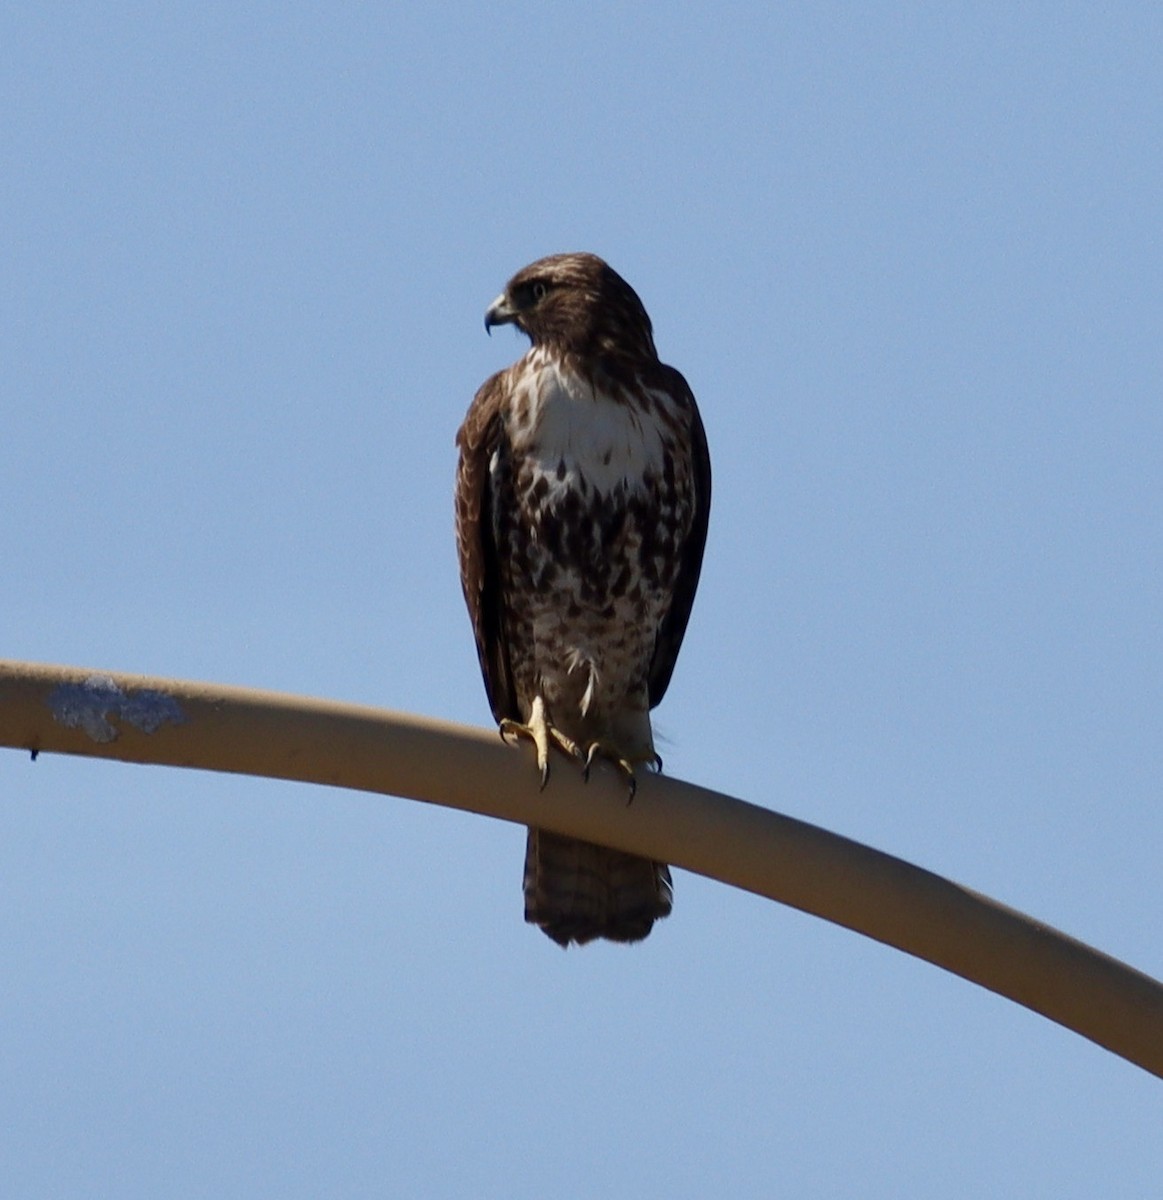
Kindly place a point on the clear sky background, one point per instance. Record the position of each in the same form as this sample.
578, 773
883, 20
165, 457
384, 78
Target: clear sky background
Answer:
908, 258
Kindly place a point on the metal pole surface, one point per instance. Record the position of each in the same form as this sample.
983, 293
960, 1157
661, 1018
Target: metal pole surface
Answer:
169, 722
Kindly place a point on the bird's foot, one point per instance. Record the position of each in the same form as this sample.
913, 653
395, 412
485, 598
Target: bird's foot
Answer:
624, 766
543, 735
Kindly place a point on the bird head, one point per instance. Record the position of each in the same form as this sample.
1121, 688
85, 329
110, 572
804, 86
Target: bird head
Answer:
575, 303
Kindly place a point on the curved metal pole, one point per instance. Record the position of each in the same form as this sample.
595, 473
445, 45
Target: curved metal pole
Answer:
138, 719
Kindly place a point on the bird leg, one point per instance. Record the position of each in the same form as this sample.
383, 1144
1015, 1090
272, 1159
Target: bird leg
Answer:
542, 734
624, 765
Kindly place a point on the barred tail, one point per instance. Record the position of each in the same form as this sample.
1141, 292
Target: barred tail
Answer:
576, 891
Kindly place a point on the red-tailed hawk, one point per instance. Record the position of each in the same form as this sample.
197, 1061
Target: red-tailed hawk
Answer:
582, 495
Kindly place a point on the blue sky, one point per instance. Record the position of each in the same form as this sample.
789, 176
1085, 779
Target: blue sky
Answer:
909, 260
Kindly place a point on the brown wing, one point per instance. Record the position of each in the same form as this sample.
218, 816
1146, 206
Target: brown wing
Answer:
478, 439
670, 632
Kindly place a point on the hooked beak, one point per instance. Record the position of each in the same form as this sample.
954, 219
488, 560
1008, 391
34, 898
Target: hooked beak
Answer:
500, 312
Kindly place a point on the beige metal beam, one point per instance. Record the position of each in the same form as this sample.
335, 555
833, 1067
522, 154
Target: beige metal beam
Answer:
170, 722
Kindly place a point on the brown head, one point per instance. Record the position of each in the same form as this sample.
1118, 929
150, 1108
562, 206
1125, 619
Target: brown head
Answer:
577, 304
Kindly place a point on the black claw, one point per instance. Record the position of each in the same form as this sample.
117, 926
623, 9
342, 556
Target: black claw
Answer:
591, 754
544, 777
633, 790
658, 762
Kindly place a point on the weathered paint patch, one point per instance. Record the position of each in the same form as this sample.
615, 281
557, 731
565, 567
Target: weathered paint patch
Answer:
90, 704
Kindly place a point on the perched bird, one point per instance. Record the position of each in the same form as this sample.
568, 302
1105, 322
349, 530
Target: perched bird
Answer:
582, 494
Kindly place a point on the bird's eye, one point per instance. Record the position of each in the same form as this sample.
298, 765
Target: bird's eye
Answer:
539, 290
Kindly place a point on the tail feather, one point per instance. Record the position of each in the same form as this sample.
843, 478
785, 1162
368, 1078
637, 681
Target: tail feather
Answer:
576, 891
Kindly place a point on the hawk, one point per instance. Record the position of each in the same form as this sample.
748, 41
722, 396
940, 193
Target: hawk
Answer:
582, 494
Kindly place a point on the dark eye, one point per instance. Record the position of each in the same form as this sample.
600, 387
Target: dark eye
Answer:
539, 290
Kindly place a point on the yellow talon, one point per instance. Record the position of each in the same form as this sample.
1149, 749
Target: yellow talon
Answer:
542, 734
624, 766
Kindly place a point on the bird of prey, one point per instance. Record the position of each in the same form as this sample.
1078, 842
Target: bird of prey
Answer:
582, 494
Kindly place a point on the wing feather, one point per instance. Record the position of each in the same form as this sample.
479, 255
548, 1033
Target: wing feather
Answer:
673, 627
478, 440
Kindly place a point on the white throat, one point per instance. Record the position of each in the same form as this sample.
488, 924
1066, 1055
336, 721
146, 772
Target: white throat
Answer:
560, 421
